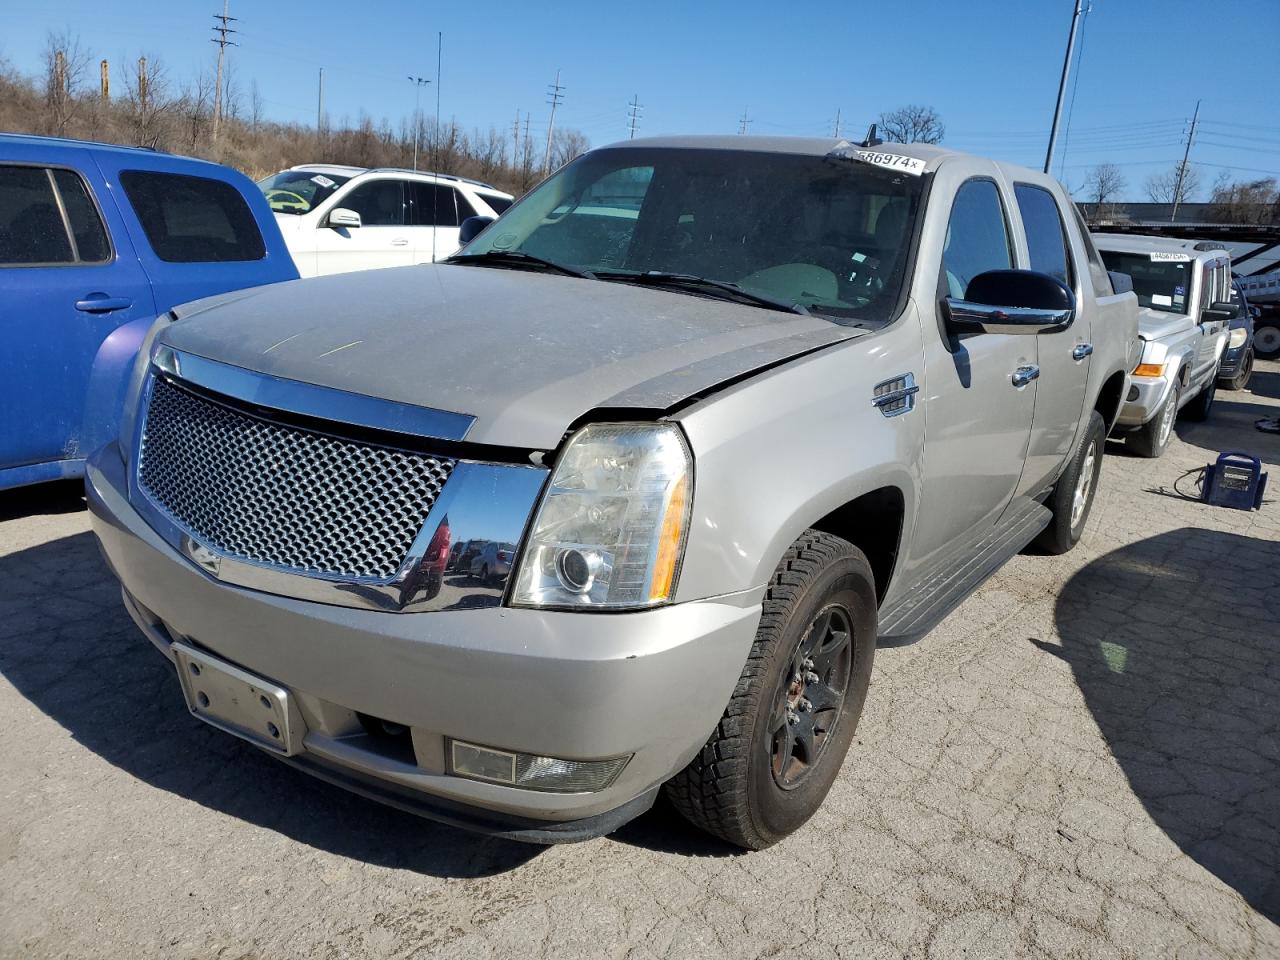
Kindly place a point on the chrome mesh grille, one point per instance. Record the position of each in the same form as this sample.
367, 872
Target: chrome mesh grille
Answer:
281, 495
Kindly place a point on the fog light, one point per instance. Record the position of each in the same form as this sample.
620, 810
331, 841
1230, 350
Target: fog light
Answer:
531, 772
1133, 394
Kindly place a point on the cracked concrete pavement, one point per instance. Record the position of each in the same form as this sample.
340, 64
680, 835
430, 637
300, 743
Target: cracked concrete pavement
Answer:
1082, 761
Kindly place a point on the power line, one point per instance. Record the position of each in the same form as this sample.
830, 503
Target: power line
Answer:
633, 116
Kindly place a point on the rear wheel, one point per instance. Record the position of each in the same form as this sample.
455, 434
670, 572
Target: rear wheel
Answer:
1266, 341
1072, 497
1198, 409
780, 743
1152, 438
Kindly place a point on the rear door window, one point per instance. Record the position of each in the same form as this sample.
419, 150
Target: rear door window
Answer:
1046, 234
496, 204
437, 205
193, 219
47, 217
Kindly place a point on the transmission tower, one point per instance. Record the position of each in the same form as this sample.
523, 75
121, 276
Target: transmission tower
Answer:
555, 94
221, 32
743, 123
633, 115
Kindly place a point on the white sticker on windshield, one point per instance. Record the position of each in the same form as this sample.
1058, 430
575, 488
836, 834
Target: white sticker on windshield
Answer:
1162, 300
892, 161
1158, 255
322, 180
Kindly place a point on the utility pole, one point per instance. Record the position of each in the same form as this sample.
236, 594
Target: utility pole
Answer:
1077, 8
743, 123
418, 84
221, 30
105, 79
320, 105
555, 95
633, 115
142, 84
1182, 167
435, 161
837, 130
515, 136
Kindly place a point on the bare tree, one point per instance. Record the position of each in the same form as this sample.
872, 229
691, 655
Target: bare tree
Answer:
1166, 187
1245, 201
196, 102
1104, 184
65, 63
912, 124
567, 144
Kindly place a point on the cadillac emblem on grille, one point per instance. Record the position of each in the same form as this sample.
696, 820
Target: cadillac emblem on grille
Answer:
272, 493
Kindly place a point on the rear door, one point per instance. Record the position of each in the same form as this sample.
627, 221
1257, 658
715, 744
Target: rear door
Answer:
437, 210
71, 280
384, 237
1064, 354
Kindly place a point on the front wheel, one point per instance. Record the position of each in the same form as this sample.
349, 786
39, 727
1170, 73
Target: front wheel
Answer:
1241, 379
781, 741
1152, 438
1198, 409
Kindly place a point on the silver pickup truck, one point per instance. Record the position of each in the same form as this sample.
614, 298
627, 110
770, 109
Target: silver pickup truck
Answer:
739, 408
1184, 287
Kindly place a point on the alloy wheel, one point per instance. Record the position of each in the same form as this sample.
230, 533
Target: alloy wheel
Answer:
811, 698
1084, 485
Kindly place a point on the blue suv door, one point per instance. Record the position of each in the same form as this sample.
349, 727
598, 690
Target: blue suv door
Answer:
70, 279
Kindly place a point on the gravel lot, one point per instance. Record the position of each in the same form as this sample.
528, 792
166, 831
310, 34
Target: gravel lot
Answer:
1084, 760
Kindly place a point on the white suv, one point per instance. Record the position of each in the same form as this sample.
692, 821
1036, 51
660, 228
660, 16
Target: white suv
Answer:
336, 218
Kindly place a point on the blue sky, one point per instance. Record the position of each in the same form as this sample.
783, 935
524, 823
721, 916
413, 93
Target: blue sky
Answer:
990, 67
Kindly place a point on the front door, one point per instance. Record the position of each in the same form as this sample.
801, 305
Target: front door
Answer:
67, 288
977, 420
383, 238
436, 211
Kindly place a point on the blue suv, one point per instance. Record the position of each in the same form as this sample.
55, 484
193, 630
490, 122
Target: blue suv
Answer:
96, 241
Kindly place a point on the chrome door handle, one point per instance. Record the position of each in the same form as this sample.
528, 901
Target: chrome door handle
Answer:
1081, 351
399, 242
1024, 375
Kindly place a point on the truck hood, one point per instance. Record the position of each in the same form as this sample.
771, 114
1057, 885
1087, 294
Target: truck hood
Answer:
523, 353
1158, 324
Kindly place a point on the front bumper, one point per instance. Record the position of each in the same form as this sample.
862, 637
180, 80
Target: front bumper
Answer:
1232, 360
651, 684
1145, 397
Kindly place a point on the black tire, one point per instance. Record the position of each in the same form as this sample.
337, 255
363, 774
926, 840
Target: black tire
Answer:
1150, 440
484, 574
1068, 523
1202, 403
1266, 340
1241, 379
749, 784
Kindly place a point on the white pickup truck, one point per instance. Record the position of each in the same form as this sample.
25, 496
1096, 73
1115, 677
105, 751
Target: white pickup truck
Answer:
1184, 287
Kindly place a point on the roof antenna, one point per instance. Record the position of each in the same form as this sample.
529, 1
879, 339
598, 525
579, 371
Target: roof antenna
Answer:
871, 139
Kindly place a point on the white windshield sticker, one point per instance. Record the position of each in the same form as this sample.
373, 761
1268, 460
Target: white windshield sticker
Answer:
322, 180
1162, 300
892, 161
1171, 257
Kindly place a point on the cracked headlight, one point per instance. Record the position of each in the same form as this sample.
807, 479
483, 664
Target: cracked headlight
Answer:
611, 526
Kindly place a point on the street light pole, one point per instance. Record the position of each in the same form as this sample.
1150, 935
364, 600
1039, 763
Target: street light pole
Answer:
418, 84
1076, 9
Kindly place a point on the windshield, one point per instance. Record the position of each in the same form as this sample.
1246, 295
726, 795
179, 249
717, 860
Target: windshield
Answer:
299, 191
830, 235
1161, 280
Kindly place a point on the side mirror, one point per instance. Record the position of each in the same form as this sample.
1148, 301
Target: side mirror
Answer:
342, 217
1120, 282
472, 227
1012, 301
1255, 312
1218, 310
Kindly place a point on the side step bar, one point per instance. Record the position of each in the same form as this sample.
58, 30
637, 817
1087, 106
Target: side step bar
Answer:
923, 608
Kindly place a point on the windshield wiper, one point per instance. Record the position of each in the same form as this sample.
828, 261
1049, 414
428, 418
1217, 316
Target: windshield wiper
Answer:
518, 258
723, 289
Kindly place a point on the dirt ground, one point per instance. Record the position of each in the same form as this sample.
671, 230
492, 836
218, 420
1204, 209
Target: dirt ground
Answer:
1082, 761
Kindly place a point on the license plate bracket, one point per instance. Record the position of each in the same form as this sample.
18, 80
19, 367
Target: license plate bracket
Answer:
239, 702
